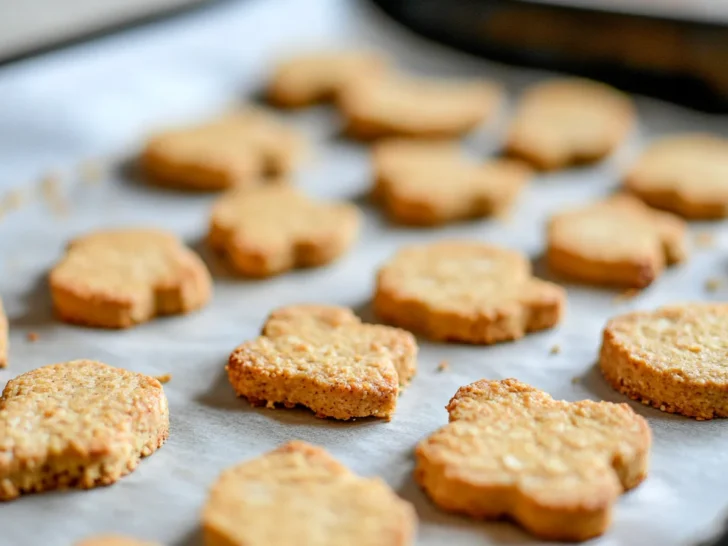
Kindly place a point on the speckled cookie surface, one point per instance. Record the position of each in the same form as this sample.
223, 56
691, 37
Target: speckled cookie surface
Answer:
114, 540
78, 424
3, 337
299, 494
554, 467
619, 242
562, 122
235, 150
672, 358
685, 174
315, 77
400, 106
118, 278
467, 292
272, 229
325, 359
430, 183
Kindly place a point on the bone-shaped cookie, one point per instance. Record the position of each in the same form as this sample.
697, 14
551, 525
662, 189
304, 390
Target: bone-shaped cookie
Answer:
78, 424
272, 229
324, 358
118, 278
554, 467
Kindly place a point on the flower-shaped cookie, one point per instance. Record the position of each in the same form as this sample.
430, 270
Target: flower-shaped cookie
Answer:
118, 278
430, 183
77, 424
619, 241
324, 358
554, 467
465, 291
272, 229
685, 174
299, 494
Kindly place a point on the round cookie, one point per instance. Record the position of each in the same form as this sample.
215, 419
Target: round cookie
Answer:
465, 291
568, 121
685, 174
118, 278
672, 358
298, 494
78, 424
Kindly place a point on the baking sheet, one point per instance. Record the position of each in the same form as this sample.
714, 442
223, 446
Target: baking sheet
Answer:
100, 99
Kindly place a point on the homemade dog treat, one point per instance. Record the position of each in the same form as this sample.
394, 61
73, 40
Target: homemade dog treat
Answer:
466, 291
324, 358
79, 424
316, 77
405, 106
619, 242
3, 337
555, 468
272, 229
672, 358
114, 540
430, 183
118, 278
299, 494
566, 121
232, 151
685, 174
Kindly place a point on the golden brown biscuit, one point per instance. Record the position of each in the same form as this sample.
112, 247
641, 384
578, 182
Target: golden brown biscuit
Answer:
618, 242
465, 291
316, 77
231, 151
324, 358
3, 337
119, 278
672, 358
429, 183
554, 467
114, 540
79, 424
272, 229
567, 121
399, 106
299, 494
685, 174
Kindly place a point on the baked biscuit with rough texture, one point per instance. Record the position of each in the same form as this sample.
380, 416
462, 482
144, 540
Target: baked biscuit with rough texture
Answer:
119, 278
324, 358
234, 150
618, 242
3, 337
684, 174
299, 494
409, 107
114, 540
272, 229
568, 121
431, 183
79, 424
555, 468
317, 77
672, 358
467, 292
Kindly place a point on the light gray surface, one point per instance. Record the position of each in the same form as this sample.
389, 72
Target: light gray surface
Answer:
102, 98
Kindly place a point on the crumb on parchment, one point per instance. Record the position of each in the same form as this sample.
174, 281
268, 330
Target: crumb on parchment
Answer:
32, 337
575, 380
704, 240
713, 284
164, 378
91, 171
556, 349
443, 366
50, 188
627, 295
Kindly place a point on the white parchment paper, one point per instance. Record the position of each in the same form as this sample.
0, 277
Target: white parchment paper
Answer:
101, 98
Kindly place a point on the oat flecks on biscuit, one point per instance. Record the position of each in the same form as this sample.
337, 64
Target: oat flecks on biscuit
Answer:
119, 278
299, 494
3, 337
409, 107
554, 467
465, 291
315, 77
272, 229
78, 424
114, 540
672, 358
324, 358
430, 183
232, 151
563, 122
617, 242
685, 174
